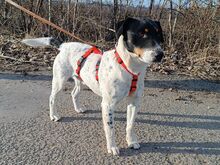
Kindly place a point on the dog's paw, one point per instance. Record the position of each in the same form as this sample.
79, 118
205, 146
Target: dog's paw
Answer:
114, 151
80, 110
135, 146
55, 117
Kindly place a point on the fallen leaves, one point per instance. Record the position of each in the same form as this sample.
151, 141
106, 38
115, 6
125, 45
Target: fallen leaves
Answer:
17, 57
207, 68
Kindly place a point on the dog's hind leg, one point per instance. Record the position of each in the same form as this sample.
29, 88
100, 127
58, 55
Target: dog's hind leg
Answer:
75, 94
132, 110
57, 84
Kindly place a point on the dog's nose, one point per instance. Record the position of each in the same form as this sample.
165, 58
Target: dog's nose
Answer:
159, 56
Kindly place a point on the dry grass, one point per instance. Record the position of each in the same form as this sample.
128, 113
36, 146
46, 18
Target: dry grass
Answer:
195, 38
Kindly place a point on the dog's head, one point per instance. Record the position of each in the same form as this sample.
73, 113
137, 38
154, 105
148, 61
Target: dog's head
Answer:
143, 38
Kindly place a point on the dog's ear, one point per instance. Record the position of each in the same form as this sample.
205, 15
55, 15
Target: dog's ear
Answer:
160, 31
119, 28
123, 26
118, 31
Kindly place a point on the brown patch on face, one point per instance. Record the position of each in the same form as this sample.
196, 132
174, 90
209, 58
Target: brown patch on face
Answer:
139, 52
146, 30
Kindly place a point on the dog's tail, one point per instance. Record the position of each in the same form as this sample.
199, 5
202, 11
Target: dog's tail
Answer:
42, 42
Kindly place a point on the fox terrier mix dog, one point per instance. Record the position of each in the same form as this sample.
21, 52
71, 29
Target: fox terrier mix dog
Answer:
113, 75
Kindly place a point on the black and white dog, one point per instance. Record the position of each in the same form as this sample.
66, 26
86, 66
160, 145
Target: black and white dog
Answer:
120, 74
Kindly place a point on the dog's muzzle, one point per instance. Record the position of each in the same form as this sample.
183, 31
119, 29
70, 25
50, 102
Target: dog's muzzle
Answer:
159, 56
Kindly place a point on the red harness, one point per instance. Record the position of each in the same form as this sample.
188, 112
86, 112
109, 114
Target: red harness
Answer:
83, 58
119, 60
134, 76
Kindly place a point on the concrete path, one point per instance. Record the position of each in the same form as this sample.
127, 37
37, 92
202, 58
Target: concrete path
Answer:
179, 123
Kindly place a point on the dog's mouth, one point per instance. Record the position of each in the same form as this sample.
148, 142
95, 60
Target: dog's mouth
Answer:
152, 56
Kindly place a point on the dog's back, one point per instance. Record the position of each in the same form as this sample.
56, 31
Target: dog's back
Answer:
65, 64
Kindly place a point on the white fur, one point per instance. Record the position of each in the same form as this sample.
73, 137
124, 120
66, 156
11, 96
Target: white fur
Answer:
149, 54
114, 84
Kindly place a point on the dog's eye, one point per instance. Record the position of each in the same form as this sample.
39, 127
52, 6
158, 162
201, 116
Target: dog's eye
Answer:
142, 34
158, 30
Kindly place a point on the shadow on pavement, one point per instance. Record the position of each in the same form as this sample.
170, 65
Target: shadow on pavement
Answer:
206, 148
184, 124
186, 84
34, 77
208, 125
207, 117
181, 116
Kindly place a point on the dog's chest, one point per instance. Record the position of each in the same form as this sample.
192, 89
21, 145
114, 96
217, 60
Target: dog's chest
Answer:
114, 80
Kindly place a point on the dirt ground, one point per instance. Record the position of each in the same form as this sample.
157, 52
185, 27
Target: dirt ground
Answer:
179, 123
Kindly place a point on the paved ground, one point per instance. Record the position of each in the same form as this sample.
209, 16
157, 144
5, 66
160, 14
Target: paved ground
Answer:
179, 123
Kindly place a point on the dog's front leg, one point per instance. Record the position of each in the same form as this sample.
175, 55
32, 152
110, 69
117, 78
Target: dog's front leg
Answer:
108, 121
132, 110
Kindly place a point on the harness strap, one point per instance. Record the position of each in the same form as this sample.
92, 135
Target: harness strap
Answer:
83, 58
119, 60
97, 70
134, 76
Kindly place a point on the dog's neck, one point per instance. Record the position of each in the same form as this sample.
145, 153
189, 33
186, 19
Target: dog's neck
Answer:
131, 60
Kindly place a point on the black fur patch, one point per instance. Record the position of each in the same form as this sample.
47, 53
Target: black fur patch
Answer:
140, 33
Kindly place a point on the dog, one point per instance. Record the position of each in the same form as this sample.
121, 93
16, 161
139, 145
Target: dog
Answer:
120, 73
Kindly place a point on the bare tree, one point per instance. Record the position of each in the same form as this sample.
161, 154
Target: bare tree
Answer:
100, 17
115, 11
49, 15
5, 6
210, 3
171, 25
68, 14
151, 7
193, 4
176, 16
38, 6
161, 10
75, 15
